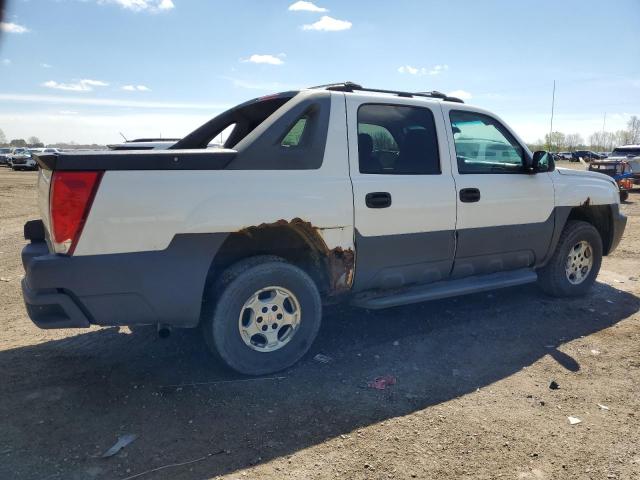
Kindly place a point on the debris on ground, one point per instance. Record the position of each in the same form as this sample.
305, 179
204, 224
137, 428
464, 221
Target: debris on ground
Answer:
189, 462
595, 352
602, 407
554, 385
322, 358
380, 383
5, 279
122, 442
574, 420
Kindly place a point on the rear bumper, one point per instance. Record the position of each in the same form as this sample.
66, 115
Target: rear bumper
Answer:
118, 289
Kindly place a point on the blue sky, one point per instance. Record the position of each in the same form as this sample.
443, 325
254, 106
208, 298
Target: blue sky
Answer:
85, 70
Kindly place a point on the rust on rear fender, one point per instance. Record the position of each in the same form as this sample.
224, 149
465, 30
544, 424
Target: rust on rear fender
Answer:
338, 262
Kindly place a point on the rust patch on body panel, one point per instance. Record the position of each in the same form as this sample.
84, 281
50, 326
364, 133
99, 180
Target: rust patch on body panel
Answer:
338, 262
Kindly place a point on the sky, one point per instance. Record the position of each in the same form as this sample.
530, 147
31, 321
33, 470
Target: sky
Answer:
85, 70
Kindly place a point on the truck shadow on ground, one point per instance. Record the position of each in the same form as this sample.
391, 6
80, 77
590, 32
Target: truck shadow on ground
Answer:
66, 401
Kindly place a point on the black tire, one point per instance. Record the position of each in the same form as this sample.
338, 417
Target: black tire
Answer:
624, 196
224, 303
553, 278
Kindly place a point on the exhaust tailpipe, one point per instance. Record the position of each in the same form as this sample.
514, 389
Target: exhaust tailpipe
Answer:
164, 331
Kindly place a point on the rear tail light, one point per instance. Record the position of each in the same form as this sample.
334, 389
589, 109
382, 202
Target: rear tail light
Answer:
70, 200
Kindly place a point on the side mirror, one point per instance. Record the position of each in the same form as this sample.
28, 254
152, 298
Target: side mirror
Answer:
540, 157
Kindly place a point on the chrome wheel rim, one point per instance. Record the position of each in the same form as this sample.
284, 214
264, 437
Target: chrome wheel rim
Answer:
579, 262
269, 319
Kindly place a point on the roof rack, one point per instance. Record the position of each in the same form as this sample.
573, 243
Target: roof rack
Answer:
351, 87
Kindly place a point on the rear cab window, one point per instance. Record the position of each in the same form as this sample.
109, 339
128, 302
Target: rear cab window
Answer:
397, 140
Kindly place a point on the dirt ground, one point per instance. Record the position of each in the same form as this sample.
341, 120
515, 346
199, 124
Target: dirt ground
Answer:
472, 398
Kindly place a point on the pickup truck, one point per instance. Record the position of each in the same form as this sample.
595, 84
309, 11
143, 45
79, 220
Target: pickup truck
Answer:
330, 194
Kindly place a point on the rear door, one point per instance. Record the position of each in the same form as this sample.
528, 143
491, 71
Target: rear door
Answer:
404, 194
505, 214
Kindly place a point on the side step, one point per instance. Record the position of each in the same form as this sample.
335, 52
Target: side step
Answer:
444, 289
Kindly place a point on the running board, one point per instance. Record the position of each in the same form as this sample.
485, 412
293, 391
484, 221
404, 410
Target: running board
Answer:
444, 289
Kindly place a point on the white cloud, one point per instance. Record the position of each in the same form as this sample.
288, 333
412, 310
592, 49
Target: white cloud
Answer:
45, 65
303, 6
438, 69
68, 112
84, 85
136, 88
6, 62
106, 102
143, 5
268, 59
461, 94
409, 69
9, 27
421, 71
328, 24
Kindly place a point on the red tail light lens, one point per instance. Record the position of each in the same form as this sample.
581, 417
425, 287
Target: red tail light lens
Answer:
71, 197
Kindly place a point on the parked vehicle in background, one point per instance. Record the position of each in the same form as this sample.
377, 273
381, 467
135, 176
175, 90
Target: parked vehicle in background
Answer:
50, 150
335, 193
586, 155
604, 154
20, 159
4, 156
630, 153
619, 170
564, 155
144, 144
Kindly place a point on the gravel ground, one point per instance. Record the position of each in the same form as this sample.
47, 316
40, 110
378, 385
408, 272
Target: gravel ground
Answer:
472, 398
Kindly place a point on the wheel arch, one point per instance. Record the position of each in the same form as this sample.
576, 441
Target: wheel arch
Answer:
600, 216
296, 241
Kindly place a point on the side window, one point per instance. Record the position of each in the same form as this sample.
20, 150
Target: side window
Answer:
397, 140
294, 136
483, 145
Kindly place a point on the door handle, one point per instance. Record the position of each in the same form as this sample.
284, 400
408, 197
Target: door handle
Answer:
469, 195
378, 199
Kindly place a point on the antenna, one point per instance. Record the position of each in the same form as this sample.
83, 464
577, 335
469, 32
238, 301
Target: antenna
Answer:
553, 103
122, 135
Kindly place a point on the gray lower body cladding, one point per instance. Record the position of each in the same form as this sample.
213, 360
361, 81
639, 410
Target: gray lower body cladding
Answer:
119, 289
166, 287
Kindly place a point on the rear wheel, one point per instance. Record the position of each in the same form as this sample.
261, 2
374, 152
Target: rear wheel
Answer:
575, 264
267, 314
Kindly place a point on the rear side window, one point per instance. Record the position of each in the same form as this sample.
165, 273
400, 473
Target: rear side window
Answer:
397, 140
294, 136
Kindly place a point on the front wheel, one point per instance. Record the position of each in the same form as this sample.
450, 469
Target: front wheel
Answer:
267, 314
575, 264
624, 196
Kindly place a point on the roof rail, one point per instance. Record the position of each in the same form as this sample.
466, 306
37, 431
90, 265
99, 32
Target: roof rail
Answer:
351, 87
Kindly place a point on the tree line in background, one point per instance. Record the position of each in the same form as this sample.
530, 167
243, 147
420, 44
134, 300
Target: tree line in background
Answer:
597, 141
35, 142
554, 142
31, 142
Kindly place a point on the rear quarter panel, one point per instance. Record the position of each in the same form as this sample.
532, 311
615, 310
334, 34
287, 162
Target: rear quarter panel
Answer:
138, 211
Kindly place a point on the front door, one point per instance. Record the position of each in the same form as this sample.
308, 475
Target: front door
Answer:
505, 213
404, 194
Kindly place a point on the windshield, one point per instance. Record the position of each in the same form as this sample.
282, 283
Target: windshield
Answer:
5, 150
21, 150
